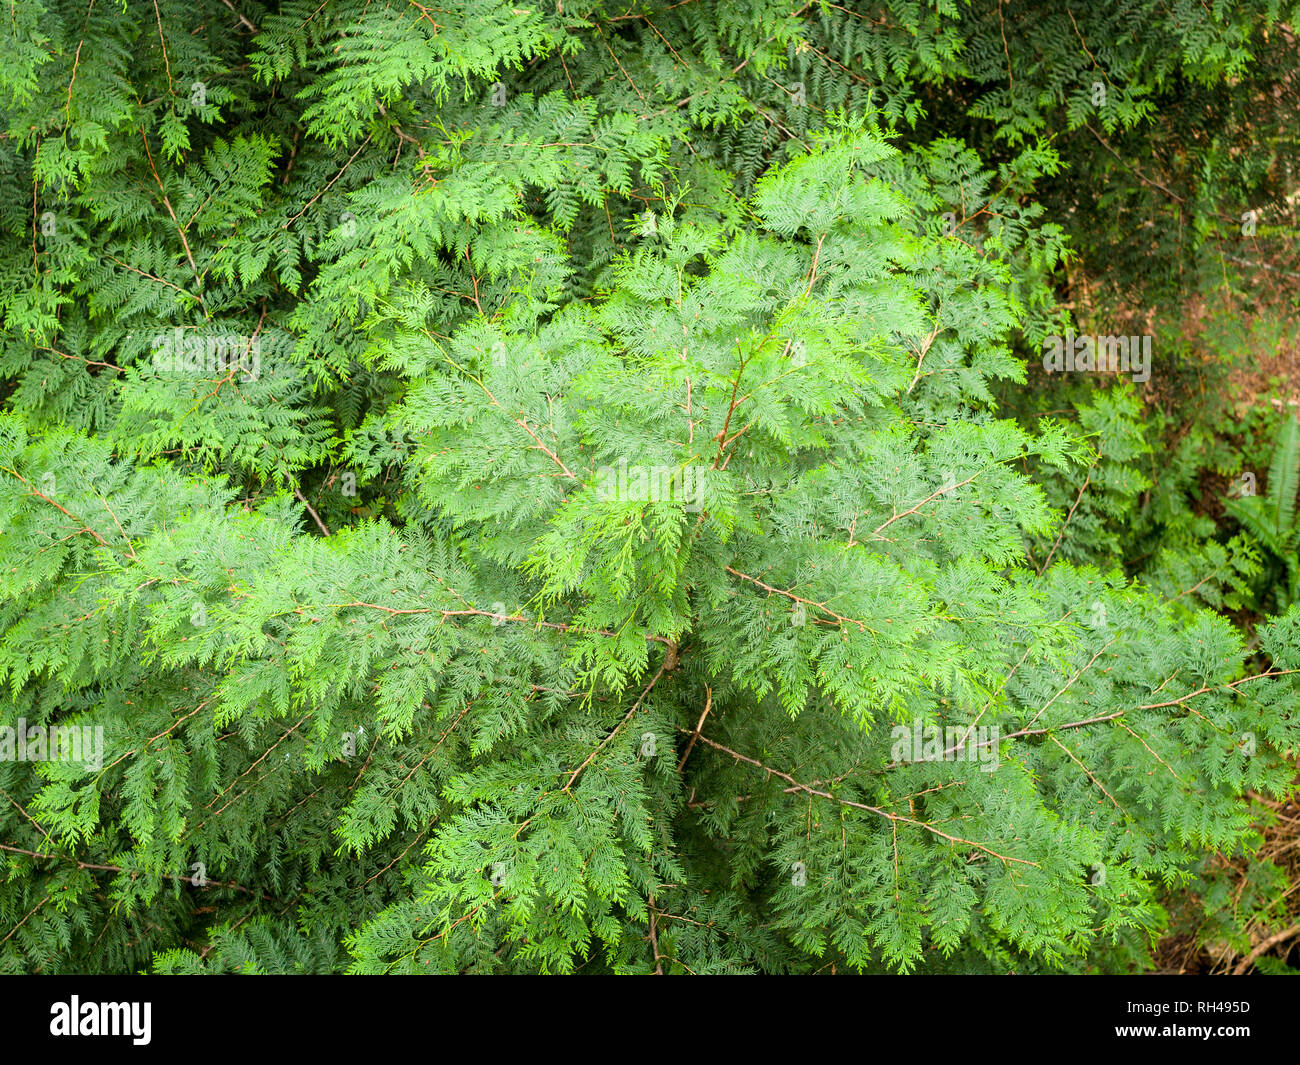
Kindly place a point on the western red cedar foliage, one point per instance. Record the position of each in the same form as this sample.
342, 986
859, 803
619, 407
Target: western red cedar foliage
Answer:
570, 488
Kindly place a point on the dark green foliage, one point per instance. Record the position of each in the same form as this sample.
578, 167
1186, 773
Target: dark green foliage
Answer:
1271, 518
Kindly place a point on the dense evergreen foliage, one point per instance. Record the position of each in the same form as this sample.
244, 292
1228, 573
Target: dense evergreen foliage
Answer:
575, 487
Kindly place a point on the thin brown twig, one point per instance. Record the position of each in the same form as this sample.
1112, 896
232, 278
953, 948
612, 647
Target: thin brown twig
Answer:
311, 510
699, 725
1077, 499
239, 16
136, 872
860, 806
627, 717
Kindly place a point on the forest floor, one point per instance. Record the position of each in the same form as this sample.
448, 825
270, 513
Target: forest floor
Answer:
1182, 950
